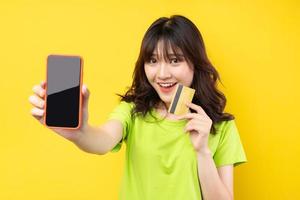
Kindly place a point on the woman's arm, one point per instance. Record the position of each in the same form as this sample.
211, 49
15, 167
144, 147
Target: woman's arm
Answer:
216, 184
226, 175
100, 140
213, 185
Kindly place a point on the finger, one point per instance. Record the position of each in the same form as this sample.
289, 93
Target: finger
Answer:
36, 101
189, 128
36, 112
85, 91
43, 84
192, 128
38, 90
186, 127
86, 95
191, 123
195, 107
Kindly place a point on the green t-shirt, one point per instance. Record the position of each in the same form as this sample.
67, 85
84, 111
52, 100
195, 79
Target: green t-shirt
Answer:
161, 162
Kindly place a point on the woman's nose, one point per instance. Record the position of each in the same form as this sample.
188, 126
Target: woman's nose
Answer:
163, 71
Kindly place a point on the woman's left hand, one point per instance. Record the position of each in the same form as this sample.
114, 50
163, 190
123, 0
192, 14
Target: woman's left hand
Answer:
199, 126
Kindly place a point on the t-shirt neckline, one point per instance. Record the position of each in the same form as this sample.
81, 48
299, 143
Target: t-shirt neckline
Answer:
166, 120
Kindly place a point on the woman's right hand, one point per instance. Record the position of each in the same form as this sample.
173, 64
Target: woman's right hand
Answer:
38, 101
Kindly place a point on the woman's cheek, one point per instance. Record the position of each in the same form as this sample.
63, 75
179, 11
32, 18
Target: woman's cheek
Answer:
150, 73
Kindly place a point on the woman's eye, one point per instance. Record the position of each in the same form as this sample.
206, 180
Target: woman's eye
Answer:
152, 60
174, 60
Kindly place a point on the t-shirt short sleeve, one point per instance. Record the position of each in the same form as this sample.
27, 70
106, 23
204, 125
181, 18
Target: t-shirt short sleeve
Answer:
122, 112
230, 149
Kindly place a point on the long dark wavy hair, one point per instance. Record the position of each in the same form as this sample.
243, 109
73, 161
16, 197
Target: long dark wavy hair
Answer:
180, 34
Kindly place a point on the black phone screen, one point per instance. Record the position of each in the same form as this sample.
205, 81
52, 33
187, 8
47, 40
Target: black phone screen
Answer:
63, 91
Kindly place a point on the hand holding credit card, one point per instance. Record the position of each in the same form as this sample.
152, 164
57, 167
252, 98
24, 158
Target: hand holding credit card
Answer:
181, 96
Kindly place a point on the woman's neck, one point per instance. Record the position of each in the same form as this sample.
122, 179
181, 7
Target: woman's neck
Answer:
163, 111
162, 107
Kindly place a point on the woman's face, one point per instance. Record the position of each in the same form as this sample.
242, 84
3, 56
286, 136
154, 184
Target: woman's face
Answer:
163, 74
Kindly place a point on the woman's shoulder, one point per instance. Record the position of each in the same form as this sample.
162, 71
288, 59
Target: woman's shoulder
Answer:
125, 105
224, 125
122, 111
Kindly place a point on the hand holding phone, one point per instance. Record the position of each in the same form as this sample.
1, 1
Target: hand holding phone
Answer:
63, 105
38, 100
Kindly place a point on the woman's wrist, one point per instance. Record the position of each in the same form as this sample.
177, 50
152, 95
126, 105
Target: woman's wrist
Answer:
82, 132
204, 152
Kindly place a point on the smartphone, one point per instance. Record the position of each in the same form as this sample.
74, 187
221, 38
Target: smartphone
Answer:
63, 99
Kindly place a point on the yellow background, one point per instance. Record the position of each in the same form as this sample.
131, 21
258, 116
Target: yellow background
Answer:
253, 44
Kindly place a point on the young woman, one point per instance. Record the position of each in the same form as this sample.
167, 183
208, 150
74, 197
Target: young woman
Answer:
167, 156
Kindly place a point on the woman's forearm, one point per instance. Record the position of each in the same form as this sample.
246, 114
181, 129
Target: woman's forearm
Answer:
94, 140
211, 185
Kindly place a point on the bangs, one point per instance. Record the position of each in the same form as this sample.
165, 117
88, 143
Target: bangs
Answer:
167, 43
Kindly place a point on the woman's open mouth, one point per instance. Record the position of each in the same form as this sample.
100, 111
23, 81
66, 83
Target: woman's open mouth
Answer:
166, 87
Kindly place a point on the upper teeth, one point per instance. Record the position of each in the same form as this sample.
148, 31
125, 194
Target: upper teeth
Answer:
166, 84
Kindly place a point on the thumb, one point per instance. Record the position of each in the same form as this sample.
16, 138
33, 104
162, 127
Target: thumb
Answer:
86, 94
85, 91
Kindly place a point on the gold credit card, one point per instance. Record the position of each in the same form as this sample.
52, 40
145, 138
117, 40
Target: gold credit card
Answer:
181, 96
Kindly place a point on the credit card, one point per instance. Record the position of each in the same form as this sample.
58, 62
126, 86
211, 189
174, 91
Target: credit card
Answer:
181, 96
